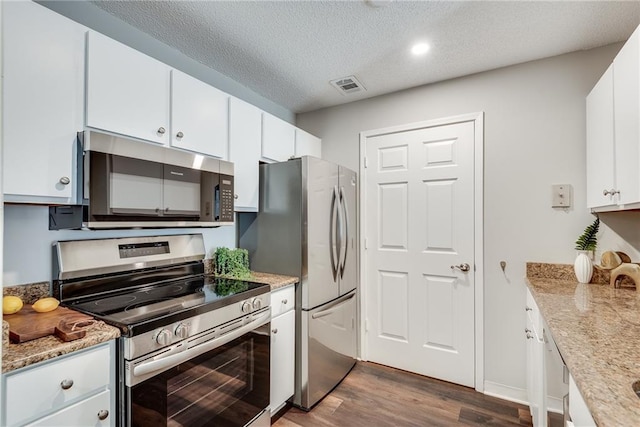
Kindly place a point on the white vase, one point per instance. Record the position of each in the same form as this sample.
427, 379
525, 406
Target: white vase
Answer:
583, 267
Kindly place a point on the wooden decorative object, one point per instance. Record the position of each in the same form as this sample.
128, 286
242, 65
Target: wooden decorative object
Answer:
625, 269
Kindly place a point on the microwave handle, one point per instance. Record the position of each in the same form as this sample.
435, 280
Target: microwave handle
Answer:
183, 356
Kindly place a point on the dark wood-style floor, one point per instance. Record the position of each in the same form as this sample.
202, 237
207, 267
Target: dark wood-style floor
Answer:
377, 396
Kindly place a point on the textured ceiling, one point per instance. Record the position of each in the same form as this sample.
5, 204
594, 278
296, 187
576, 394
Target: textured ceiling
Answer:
288, 51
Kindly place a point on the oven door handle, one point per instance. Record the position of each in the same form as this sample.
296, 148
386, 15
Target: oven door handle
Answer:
185, 355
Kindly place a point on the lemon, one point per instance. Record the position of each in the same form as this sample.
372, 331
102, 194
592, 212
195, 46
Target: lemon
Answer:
45, 304
11, 304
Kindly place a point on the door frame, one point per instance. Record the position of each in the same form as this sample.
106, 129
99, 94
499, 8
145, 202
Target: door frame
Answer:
478, 195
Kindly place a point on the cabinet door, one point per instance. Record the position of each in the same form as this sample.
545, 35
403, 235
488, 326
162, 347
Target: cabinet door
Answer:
43, 95
536, 387
93, 411
127, 91
278, 139
40, 389
307, 144
199, 116
245, 133
600, 144
626, 100
282, 358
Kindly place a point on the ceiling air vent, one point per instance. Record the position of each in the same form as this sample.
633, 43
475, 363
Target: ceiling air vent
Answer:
347, 85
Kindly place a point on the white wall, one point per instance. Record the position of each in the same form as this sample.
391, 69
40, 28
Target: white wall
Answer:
28, 241
534, 137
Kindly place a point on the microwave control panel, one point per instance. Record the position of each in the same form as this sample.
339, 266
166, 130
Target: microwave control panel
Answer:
225, 212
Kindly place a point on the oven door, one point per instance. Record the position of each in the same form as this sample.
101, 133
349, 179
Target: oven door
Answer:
224, 386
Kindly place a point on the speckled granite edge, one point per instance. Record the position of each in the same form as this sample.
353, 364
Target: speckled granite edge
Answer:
541, 270
16, 356
596, 329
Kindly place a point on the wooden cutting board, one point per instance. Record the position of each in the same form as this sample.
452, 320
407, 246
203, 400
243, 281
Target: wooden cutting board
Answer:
28, 324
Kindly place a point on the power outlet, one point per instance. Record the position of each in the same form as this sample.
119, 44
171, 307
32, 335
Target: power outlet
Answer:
561, 196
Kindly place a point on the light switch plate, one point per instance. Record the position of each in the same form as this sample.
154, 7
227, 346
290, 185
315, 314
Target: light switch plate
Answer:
561, 196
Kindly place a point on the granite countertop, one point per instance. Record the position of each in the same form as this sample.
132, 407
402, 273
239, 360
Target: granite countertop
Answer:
597, 330
276, 281
15, 356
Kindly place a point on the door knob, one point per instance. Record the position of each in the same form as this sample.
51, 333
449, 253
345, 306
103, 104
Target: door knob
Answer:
462, 267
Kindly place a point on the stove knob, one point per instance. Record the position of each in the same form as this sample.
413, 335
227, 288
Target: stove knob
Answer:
182, 330
257, 303
164, 337
246, 307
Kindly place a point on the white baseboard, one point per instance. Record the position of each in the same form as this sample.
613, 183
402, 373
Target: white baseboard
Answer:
519, 395
501, 391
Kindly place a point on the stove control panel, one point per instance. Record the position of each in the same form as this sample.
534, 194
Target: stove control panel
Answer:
253, 304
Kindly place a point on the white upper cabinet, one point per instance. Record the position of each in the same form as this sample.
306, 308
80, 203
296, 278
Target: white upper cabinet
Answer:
127, 91
43, 96
626, 104
245, 133
613, 133
600, 145
199, 116
307, 144
278, 139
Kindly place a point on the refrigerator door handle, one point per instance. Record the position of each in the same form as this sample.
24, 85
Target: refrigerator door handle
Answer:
333, 306
332, 226
345, 230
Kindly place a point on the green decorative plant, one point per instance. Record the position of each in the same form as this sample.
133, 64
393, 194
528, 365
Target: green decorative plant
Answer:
588, 240
232, 263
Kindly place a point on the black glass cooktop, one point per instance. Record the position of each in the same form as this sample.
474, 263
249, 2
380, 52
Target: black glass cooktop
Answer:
168, 302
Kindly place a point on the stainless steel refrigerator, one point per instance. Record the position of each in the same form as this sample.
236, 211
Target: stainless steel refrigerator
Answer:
306, 227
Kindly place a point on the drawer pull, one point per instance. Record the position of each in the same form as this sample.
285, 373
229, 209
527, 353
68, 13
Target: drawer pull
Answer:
284, 301
66, 384
528, 309
103, 414
275, 331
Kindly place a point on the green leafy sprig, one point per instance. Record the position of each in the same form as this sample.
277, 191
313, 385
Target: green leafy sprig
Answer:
588, 240
232, 263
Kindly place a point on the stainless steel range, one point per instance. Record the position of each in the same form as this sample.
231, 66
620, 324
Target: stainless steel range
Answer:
194, 349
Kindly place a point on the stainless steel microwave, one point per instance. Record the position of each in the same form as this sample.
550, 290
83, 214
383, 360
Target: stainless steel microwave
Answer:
131, 184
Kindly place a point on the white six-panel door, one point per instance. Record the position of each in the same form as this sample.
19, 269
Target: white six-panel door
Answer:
419, 225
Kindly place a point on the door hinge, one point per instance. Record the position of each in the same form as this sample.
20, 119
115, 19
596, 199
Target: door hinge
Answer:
366, 244
366, 163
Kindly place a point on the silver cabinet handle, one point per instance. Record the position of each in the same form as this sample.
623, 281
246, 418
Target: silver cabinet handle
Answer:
529, 336
611, 192
284, 301
275, 330
527, 330
103, 414
179, 135
64, 180
462, 267
235, 196
528, 309
66, 384
161, 130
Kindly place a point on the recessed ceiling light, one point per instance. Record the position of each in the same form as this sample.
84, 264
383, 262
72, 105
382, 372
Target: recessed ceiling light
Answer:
420, 49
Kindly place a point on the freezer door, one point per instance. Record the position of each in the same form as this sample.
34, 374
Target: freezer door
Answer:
328, 350
348, 252
320, 240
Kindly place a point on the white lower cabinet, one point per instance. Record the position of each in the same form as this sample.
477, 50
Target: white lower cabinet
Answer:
536, 390
580, 415
72, 390
282, 348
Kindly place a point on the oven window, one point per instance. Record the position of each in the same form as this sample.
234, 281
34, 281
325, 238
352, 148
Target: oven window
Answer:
228, 386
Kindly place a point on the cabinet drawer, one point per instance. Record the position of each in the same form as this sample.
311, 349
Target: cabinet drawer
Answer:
84, 413
40, 390
282, 300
